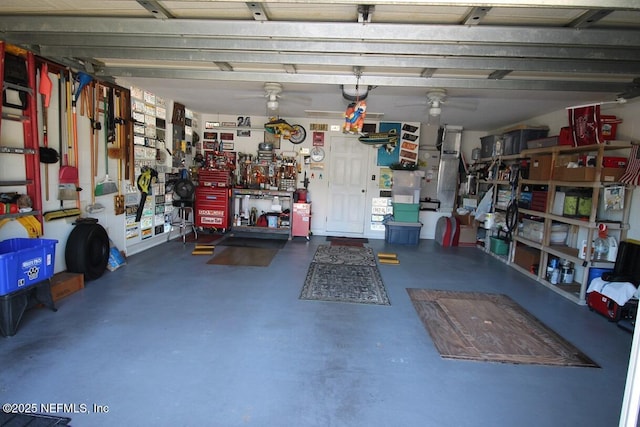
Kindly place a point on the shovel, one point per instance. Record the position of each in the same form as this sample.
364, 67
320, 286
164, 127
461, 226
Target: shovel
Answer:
47, 155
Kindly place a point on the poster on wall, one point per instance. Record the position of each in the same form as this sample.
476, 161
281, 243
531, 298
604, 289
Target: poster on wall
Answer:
318, 139
386, 158
386, 176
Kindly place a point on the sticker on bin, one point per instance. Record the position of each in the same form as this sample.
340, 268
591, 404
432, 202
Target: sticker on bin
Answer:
211, 212
31, 269
211, 220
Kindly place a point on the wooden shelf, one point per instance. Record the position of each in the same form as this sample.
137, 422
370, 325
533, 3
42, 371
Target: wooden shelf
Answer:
569, 291
566, 149
575, 291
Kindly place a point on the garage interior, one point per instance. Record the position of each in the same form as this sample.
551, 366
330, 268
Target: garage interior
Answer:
169, 339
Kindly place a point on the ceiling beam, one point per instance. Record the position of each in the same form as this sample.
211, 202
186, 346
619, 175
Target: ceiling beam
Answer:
369, 80
164, 44
372, 60
338, 31
582, 4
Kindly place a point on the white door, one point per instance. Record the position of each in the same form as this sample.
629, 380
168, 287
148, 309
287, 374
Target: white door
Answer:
347, 185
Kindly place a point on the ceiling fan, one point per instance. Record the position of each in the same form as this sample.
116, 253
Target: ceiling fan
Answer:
274, 96
436, 100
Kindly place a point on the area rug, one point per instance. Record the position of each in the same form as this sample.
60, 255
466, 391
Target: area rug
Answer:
243, 256
349, 255
32, 420
253, 242
492, 328
344, 274
347, 241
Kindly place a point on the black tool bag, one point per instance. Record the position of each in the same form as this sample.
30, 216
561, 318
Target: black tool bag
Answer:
15, 71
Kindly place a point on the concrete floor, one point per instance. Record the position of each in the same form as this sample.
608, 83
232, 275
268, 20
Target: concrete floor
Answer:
168, 340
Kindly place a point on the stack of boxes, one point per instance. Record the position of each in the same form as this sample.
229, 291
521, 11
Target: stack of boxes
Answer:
405, 192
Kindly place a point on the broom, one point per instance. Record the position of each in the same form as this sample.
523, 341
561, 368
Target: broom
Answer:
93, 140
107, 185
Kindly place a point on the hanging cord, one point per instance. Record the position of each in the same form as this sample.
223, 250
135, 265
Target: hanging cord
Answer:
358, 73
511, 219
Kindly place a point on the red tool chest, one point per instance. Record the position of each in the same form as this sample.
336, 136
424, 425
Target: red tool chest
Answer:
212, 207
213, 199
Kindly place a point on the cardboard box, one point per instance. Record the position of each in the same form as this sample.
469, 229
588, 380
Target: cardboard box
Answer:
580, 174
467, 219
526, 257
611, 174
65, 283
540, 168
468, 235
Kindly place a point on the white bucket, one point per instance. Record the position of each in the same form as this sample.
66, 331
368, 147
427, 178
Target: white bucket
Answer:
489, 221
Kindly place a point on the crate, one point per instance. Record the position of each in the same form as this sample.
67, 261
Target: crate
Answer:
516, 140
25, 262
406, 212
490, 146
499, 245
402, 233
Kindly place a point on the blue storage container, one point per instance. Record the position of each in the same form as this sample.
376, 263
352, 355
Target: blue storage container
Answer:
402, 233
25, 262
595, 273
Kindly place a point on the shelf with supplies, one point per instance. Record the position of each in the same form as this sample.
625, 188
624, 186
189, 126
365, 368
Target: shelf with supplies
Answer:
253, 207
570, 199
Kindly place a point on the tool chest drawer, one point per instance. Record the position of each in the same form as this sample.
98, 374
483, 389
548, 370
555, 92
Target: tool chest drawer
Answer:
212, 207
214, 178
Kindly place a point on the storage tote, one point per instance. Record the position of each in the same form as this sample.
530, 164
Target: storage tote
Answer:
25, 262
402, 233
406, 212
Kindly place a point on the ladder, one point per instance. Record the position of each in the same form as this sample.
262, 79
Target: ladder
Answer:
28, 116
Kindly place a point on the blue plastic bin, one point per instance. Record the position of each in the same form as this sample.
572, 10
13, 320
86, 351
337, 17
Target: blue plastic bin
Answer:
25, 262
402, 233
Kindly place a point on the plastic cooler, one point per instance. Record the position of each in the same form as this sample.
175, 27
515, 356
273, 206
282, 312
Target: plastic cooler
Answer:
25, 262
